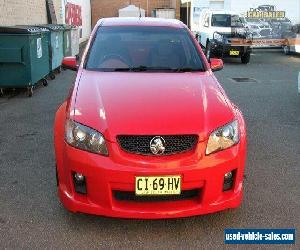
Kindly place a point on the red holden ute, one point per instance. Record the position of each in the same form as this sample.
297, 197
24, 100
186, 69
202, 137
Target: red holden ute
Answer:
147, 131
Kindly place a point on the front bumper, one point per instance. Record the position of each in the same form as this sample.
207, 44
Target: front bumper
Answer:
104, 176
222, 49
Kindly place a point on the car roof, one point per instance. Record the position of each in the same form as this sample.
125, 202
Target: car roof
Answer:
143, 21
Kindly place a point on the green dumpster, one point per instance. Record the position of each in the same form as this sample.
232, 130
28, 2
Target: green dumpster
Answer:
67, 39
71, 40
75, 41
24, 57
56, 48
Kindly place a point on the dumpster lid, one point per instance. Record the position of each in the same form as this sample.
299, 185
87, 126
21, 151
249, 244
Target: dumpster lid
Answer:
66, 26
53, 27
21, 29
74, 27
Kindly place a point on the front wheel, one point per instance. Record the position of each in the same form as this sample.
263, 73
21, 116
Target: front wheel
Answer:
286, 49
246, 58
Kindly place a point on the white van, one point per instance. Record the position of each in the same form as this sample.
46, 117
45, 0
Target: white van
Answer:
216, 29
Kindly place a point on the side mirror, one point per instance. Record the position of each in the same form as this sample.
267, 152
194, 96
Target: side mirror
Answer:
216, 64
70, 62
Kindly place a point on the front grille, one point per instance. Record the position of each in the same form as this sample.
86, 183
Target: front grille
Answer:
140, 144
130, 196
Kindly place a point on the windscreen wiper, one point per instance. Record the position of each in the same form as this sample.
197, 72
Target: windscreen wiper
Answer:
187, 70
145, 68
184, 69
140, 69
121, 69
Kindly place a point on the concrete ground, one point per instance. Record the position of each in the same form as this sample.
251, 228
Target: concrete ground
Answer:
32, 217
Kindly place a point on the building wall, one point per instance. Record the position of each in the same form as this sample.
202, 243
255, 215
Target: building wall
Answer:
109, 8
14, 12
31, 12
82, 19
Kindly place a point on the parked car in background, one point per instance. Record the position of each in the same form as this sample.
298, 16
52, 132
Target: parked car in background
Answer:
257, 27
147, 131
219, 32
281, 27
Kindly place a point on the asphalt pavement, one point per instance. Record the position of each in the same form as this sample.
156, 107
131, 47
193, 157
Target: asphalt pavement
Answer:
30, 213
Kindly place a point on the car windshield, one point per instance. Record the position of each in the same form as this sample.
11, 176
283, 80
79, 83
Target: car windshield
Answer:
143, 48
225, 20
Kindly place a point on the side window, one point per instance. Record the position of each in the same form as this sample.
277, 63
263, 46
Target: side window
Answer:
206, 21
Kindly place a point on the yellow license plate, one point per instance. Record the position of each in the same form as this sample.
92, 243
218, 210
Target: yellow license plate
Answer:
157, 185
234, 52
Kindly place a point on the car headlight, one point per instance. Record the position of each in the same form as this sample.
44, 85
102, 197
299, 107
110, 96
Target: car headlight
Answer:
85, 138
218, 37
223, 138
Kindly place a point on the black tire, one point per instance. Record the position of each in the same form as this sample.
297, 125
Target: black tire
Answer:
58, 70
208, 50
30, 91
45, 82
246, 58
286, 50
52, 75
56, 175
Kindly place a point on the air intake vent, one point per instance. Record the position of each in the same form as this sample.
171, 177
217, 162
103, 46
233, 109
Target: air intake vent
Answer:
174, 144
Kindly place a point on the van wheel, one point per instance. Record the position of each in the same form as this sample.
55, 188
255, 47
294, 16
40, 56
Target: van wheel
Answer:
246, 58
286, 49
208, 51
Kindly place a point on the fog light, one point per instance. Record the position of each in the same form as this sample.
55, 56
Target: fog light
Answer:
228, 176
228, 181
79, 177
79, 183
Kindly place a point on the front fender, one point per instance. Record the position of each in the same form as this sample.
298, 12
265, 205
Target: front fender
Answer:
59, 131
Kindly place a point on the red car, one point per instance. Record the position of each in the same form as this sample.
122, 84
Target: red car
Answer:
147, 131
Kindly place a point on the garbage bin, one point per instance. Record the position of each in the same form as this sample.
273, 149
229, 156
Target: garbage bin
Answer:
74, 41
56, 49
67, 39
24, 57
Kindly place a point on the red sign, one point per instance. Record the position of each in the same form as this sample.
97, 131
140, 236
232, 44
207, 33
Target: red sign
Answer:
73, 14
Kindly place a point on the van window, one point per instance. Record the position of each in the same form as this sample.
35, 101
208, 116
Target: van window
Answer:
225, 20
